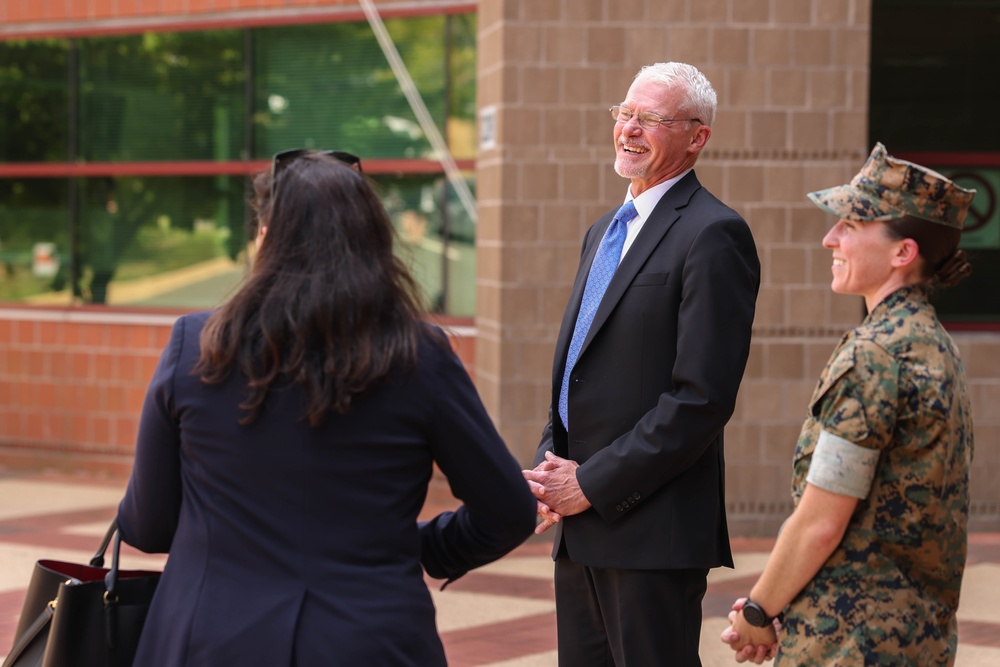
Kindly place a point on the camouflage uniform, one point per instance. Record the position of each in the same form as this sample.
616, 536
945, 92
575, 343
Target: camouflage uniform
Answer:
889, 592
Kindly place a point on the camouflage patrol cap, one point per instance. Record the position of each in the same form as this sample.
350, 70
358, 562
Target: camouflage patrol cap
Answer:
887, 188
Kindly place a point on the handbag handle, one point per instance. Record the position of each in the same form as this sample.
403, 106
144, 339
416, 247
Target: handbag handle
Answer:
111, 591
111, 578
98, 559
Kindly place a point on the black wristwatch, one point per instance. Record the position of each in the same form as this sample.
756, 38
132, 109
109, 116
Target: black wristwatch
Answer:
756, 616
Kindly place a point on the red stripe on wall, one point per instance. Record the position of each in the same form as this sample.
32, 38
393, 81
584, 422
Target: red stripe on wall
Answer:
198, 168
945, 158
59, 21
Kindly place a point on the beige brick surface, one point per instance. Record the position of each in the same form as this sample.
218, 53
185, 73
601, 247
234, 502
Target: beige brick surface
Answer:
772, 46
730, 46
788, 88
709, 11
812, 46
751, 11
792, 82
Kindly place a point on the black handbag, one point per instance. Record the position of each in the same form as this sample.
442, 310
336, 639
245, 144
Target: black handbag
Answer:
83, 615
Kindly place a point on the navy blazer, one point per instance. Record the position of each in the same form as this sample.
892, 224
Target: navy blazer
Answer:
292, 545
654, 385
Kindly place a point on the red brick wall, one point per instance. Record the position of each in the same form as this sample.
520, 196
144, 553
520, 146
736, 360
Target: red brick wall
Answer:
24, 11
72, 383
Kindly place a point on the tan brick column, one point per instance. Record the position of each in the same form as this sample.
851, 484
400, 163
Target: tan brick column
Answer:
549, 69
792, 79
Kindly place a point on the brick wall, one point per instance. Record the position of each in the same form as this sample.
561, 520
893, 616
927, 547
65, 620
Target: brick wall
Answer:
792, 78
72, 383
21, 18
24, 11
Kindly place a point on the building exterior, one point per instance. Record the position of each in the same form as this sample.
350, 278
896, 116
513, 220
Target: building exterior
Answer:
518, 90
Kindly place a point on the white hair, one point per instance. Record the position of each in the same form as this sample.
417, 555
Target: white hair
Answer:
700, 99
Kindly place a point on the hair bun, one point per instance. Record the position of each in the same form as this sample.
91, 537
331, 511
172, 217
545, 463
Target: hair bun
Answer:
954, 269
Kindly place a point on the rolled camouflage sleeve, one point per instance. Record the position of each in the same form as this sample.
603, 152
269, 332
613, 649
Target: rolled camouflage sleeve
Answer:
842, 467
857, 413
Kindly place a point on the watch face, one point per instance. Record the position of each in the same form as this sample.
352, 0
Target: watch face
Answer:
755, 615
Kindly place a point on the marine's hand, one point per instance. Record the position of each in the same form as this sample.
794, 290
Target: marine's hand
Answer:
750, 643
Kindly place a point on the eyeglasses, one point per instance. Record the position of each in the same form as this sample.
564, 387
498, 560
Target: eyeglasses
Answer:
283, 158
647, 119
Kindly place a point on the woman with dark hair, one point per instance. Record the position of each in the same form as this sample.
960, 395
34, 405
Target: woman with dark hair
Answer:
287, 441
868, 568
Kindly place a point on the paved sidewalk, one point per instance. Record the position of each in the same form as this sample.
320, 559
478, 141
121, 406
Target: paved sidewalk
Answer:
502, 615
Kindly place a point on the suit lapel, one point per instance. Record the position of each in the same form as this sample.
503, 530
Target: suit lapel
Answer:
667, 212
576, 296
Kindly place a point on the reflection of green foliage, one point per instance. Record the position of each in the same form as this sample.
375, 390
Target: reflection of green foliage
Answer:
330, 85
33, 100
33, 210
155, 250
463, 66
18, 282
162, 96
121, 222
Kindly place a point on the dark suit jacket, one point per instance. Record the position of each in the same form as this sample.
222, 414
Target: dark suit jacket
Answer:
655, 382
292, 545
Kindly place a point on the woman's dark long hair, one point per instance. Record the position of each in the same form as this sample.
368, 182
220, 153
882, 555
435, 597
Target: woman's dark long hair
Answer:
327, 304
945, 265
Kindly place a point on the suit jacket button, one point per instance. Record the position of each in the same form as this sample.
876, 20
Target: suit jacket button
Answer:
635, 496
620, 507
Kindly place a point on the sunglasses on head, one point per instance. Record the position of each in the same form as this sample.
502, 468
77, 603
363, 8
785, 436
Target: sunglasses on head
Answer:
284, 158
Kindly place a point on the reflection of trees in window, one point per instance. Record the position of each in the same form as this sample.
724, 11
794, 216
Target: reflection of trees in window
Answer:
115, 211
32, 210
162, 96
33, 100
461, 35
440, 256
134, 226
331, 86
181, 98
157, 96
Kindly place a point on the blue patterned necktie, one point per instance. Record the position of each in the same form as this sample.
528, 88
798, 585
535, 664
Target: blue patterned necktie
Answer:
601, 272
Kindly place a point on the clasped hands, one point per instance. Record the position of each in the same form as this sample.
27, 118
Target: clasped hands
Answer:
750, 643
554, 483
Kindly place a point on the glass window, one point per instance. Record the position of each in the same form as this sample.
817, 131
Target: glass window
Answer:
330, 86
180, 241
161, 241
34, 100
162, 96
934, 100
460, 35
437, 240
34, 239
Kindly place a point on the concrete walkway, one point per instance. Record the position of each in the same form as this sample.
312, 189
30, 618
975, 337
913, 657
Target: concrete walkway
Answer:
502, 615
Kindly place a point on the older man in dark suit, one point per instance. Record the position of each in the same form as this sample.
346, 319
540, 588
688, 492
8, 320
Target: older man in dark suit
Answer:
648, 362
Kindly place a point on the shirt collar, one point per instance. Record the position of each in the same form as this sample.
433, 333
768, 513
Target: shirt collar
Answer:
910, 293
647, 201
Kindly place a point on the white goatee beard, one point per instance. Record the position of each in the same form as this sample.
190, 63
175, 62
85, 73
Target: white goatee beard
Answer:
628, 170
